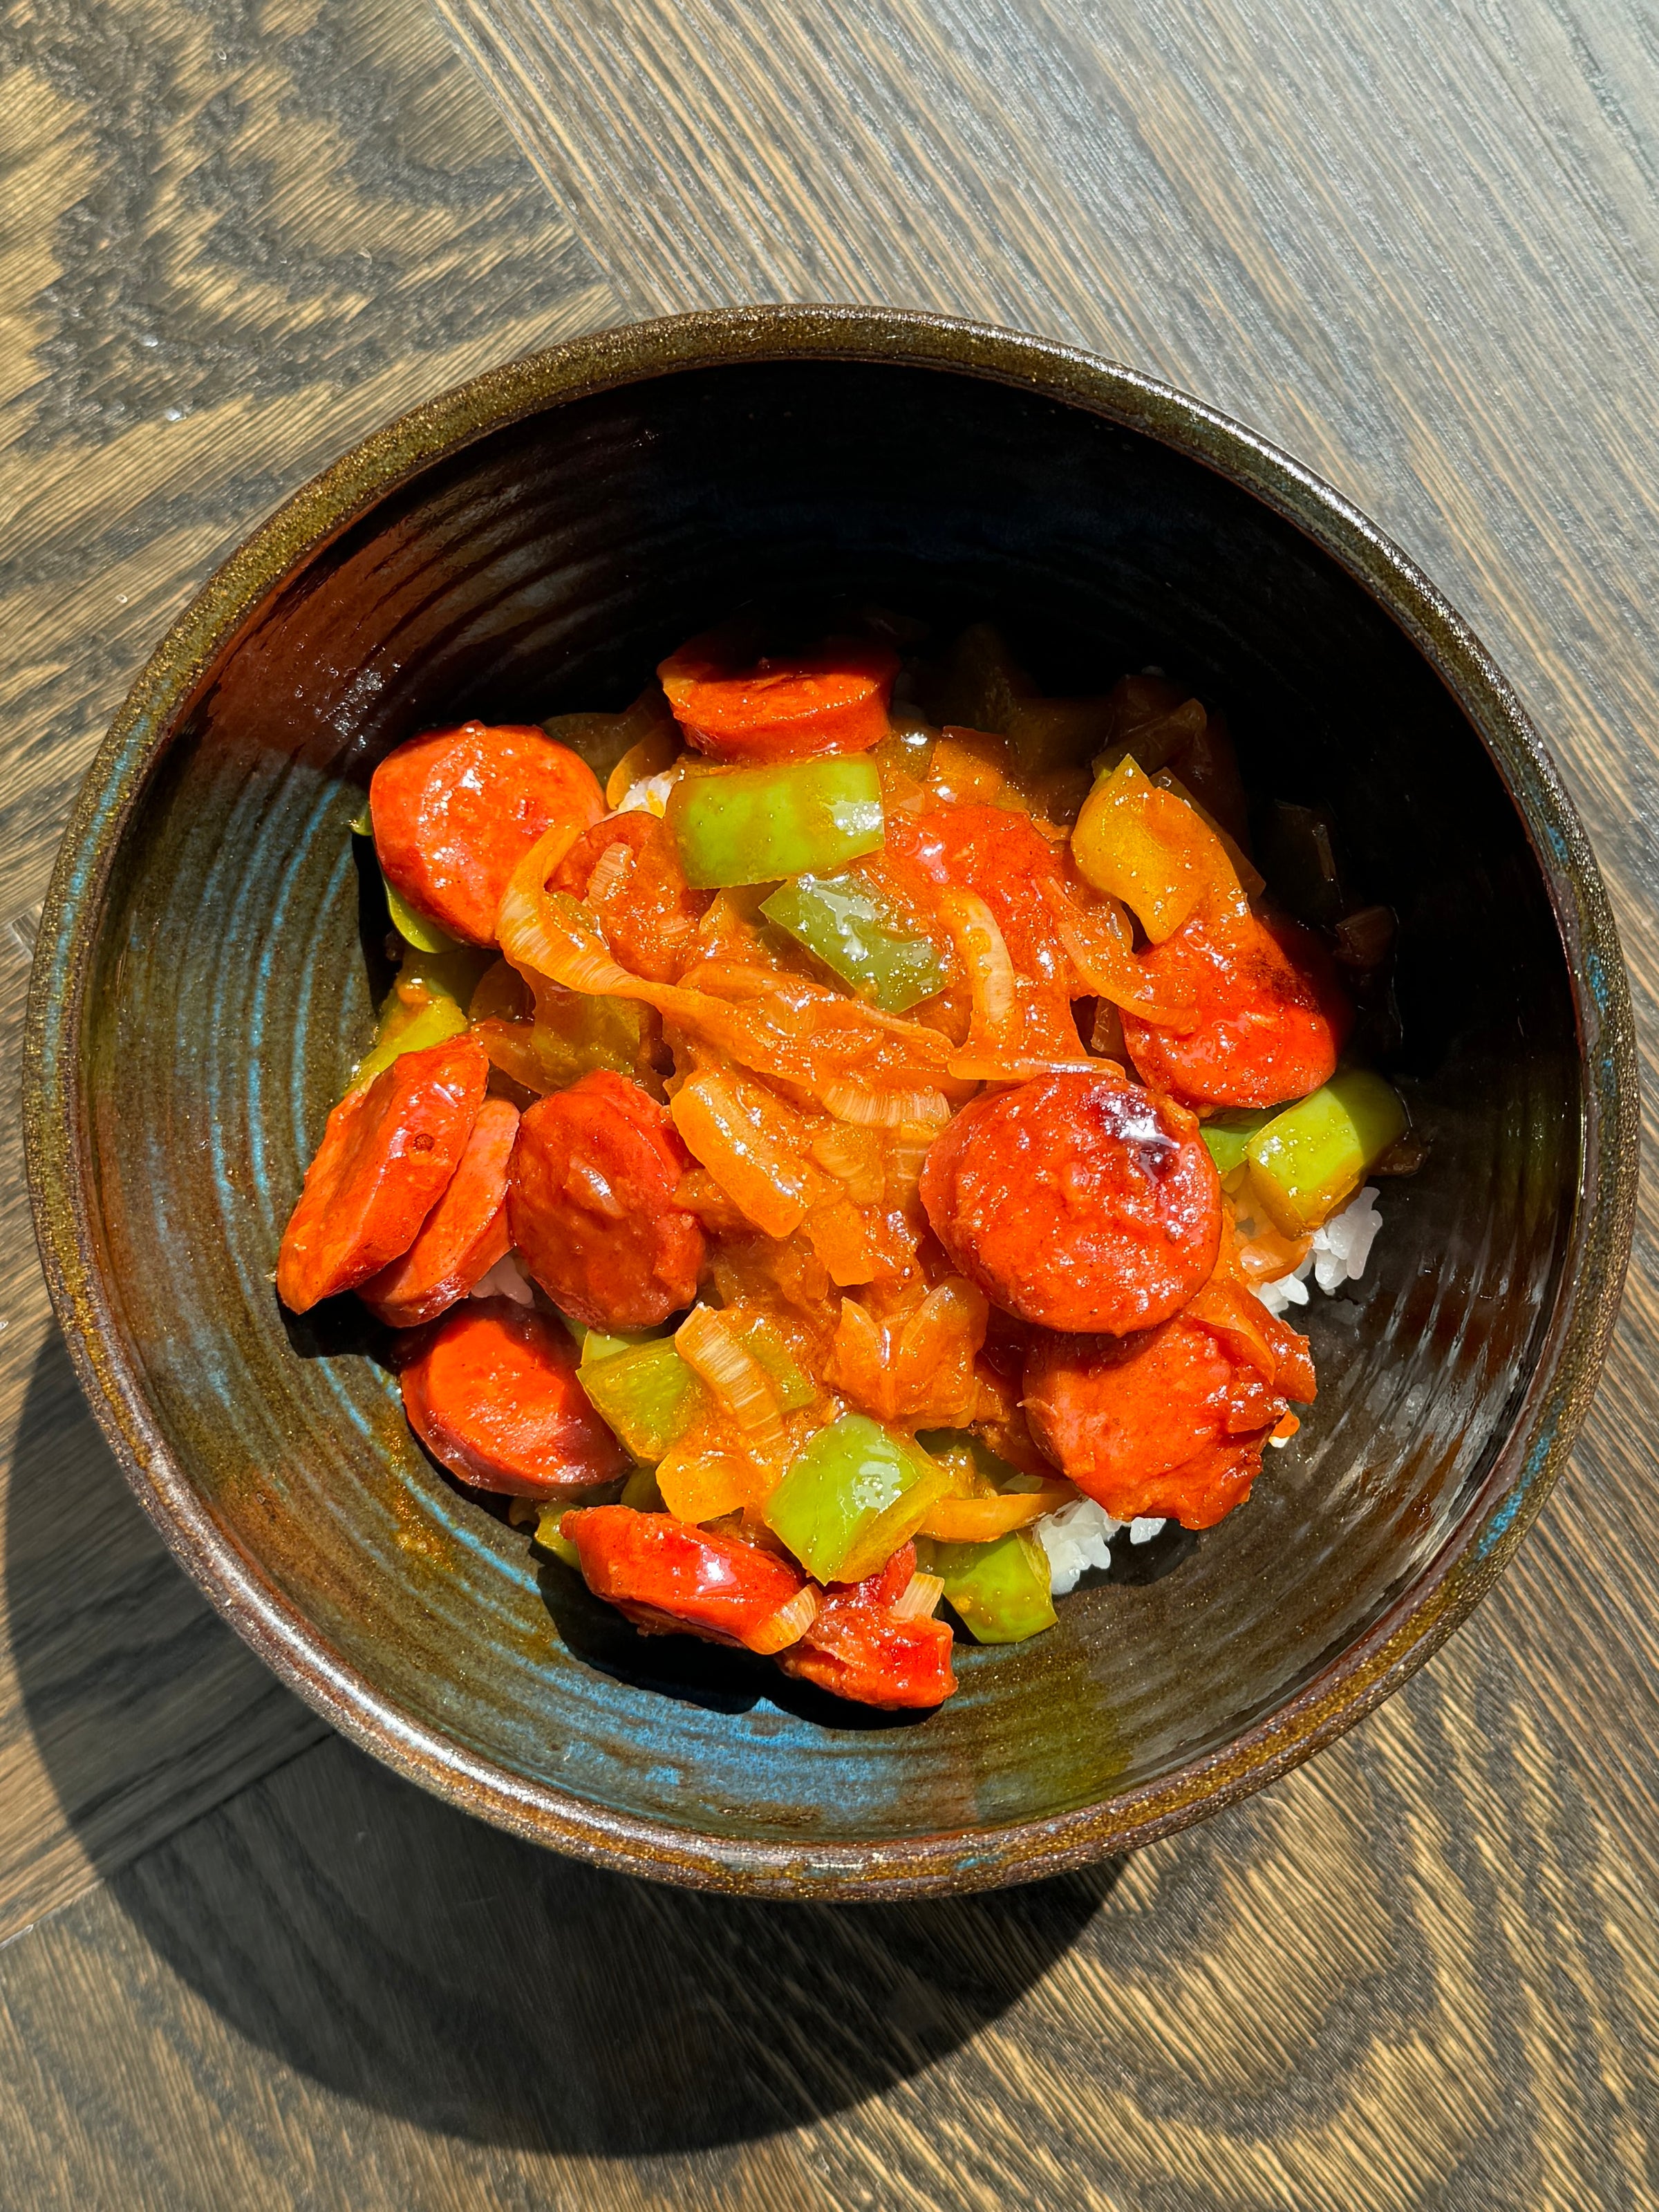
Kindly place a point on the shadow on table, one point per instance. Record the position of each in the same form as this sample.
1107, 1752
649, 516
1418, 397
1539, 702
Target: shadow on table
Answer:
406, 1956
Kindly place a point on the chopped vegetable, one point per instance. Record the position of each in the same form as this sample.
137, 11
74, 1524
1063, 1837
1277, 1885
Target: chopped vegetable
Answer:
649, 1396
850, 1491
756, 825
853, 933
550, 1537
999, 1590
733, 1377
1309, 1160
1228, 1135
749, 1142
426, 1005
414, 929
1149, 848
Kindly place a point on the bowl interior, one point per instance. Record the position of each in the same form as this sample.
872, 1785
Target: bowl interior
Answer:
548, 568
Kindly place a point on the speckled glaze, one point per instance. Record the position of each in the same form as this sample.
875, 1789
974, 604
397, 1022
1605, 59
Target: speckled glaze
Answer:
532, 542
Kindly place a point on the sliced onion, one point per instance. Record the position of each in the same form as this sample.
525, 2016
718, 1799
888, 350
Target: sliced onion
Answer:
868, 1108
983, 952
788, 1623
734, 1377
1095, 949
920, 1600
744, 1141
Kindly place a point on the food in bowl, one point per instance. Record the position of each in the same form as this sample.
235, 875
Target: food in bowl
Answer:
860, 1158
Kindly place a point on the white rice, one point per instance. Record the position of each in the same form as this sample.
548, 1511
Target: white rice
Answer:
1341, 1252
1079, 1536
506, 1279
648, 796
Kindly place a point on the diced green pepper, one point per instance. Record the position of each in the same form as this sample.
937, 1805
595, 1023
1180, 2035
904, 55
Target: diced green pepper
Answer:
426, 1005
1309, 1160
640, 1491
424, 936
765, 1345
853, 933
756, 825
648, 1395
1000, 1589
976, 1470
837, 1500
549, 1538
1228, 1134
599, 1343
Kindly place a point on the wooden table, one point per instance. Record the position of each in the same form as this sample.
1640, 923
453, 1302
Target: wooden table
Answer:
243, 1966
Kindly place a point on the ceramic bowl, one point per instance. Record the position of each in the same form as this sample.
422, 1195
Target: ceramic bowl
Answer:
532, 544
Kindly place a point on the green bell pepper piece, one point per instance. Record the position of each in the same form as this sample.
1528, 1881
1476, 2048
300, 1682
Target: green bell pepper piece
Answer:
424, 936
1228, 1135
756, 825
550, 1537
1000, 1590
648, 1394
599, 1343
1308, 1160
836, 1502
965, 1454
851, 931
640, 1491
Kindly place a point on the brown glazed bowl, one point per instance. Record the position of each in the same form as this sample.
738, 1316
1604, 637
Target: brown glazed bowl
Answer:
532, 544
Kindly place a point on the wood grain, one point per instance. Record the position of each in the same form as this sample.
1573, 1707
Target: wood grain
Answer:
1421, 248
1416, 1976
231, 242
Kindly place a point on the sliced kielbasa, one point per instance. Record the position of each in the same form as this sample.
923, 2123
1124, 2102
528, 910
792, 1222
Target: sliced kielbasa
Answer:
463, 1237
1079, 1202
493, 1394
386, 1155
1169, 1422
592, 1204
856, 1646
1271, 1016
671, 1579
830, 700
455, 811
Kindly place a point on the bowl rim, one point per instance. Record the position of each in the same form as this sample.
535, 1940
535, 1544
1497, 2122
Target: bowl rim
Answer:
60, 1174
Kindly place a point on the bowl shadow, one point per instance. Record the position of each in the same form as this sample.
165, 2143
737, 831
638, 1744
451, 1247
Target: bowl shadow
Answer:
402, 1954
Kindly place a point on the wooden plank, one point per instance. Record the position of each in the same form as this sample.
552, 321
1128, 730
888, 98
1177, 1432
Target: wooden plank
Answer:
1417, 1975
278, 237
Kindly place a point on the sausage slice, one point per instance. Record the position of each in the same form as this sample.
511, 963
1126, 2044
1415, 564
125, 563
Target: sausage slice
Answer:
1079, 1202
1170, 1422
455, 811
494, 1396
386, 1155
669, 1578
591, 1208
463, 1237
1271, 1016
